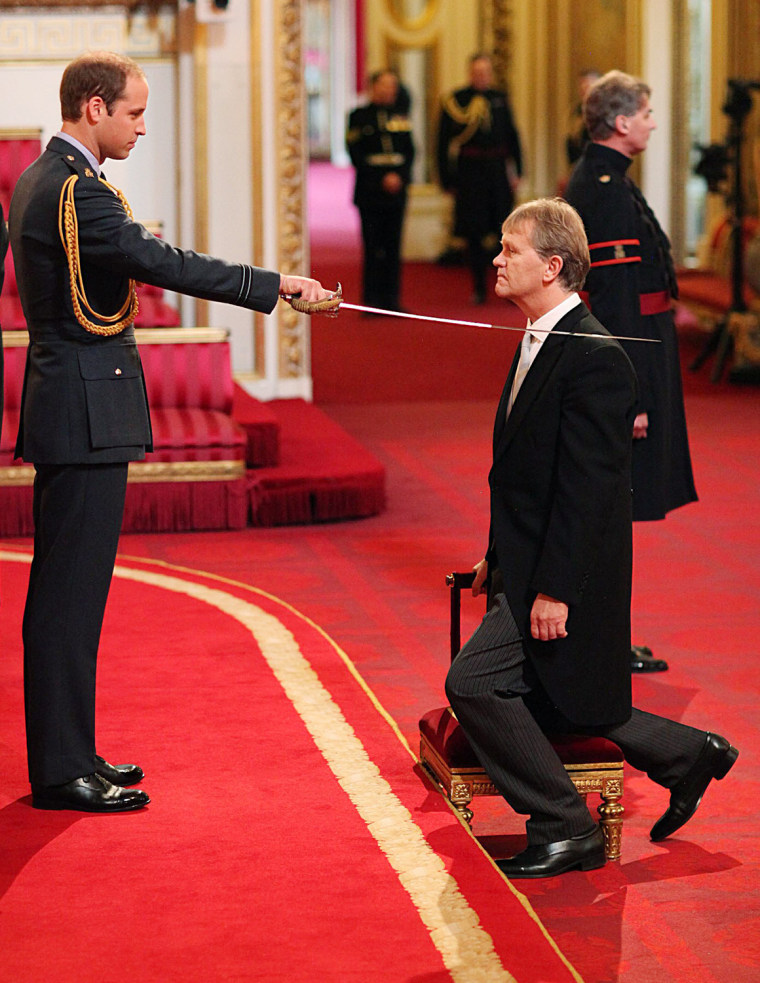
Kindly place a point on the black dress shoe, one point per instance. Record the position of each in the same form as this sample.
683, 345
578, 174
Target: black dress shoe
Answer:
122, 775
642, 660
578, 853
715, 761
89, 794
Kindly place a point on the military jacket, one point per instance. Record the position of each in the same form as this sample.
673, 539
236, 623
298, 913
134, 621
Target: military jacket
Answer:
477, 125
379, 142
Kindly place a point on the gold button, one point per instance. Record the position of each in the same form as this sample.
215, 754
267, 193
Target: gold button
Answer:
69, 157
117, 371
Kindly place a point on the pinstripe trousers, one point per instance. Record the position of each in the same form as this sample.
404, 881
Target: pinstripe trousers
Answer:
494, 692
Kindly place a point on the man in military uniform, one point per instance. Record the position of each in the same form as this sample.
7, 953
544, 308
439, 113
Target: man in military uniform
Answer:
480, 162
84, 414
630, 289
379, 141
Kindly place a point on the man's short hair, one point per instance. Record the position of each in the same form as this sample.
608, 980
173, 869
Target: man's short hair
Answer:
98, 73
614, 94
554, 229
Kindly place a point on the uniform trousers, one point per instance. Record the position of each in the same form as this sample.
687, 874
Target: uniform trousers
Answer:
505, 714
78, 511
381, 234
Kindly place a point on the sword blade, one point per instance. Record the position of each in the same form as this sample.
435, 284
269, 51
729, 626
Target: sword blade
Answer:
484, 324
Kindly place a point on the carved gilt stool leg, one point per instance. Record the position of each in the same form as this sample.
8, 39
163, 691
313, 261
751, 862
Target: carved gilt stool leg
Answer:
460, 796
611, 812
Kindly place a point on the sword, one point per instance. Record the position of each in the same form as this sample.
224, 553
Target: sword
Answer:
333, 304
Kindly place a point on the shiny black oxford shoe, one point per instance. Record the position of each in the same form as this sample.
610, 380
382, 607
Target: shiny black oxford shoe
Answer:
715, 761
548, 859
123, 775
89, 794
642, 660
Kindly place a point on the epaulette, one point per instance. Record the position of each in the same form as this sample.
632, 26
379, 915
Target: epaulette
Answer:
79, 167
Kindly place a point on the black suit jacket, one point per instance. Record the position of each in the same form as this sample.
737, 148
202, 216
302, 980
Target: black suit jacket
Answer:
561, 514
84, 395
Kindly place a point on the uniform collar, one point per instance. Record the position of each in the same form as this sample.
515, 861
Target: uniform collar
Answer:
611, 158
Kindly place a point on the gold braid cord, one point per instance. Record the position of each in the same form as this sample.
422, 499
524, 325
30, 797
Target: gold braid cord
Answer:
68, 227
475, 114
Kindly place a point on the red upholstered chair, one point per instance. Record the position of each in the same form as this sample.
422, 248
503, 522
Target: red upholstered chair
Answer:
18, 149
594, 764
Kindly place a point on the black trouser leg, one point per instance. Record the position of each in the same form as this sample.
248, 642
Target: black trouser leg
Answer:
77, 513
664, 749
485, 687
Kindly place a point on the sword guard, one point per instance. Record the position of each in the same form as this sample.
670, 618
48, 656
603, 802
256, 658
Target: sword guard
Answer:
329, 306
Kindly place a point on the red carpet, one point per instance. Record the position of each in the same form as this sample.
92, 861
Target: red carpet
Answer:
288, 838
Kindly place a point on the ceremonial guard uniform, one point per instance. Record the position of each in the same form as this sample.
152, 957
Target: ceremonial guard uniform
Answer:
478, 147
84, 416
630, 289
379, 141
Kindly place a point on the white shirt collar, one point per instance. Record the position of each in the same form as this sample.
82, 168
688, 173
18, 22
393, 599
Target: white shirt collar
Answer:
546, 322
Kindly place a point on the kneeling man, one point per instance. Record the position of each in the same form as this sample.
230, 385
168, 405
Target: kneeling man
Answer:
553, 652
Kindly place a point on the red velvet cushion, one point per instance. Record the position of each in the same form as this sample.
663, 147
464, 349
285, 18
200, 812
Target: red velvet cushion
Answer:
196, 435
188, 374
446, 737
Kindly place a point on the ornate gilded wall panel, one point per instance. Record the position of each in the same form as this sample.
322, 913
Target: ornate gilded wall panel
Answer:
57, 35
291, 215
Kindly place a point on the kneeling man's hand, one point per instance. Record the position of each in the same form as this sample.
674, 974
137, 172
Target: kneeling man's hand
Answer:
547, 618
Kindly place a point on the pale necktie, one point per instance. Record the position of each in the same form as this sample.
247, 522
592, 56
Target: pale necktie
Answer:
526, 354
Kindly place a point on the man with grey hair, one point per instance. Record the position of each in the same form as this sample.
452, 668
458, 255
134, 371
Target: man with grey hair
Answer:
630, 288
551, 654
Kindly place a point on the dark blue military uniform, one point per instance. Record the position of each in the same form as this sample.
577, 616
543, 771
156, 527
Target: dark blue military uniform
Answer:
630, 289
477, 145
84, 416
379, 141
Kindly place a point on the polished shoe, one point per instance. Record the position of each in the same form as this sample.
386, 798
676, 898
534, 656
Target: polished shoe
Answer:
547, 859
715, 761
642, 660
122, 775
89, 794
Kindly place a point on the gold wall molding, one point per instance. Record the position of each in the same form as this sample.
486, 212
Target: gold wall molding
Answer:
257, 177
54, 35
417, 22
679, 132
200, 156
499, 39
291, 182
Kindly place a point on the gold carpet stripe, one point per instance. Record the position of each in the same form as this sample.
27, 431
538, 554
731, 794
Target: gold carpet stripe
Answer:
467, 950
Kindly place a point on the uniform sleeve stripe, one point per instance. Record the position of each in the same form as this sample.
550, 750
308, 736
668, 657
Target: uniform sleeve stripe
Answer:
615, 262
614, 242
246, 284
